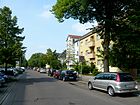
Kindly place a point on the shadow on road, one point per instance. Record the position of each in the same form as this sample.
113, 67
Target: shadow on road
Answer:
36, 80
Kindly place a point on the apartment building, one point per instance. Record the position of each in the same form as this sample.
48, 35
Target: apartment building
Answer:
90, 47
72, 50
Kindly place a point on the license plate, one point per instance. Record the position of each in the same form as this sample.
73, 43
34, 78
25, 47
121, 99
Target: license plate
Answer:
71, 77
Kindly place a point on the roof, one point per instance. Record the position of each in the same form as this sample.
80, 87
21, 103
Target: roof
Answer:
74, 36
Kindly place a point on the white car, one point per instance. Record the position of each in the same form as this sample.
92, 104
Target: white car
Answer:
42, 70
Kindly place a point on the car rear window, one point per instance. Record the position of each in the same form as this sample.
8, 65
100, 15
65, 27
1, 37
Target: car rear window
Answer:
125, 77
69, 72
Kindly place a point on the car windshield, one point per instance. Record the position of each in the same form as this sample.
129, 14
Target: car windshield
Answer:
125, 77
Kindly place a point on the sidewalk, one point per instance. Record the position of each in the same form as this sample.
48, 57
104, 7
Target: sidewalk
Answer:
5, 91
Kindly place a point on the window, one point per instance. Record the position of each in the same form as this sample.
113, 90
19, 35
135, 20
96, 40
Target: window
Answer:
77, 53
106, 76
112, 77
125, 77
86, 42
86, 53
98, 49
82, 53
91, 38
81, 43
97, 37
99, 62
99, 76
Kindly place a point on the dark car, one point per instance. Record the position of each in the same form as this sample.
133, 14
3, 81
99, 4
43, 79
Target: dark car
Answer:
68, 75
4, 76
2, 81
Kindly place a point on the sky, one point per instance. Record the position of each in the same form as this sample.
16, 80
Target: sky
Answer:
41, 29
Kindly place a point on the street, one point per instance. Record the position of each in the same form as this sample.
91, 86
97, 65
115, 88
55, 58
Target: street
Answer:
34, 88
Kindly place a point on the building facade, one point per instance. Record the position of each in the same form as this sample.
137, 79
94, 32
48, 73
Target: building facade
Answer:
72, 50
90, 48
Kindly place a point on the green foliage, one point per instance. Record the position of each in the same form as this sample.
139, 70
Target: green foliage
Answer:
95, 71
50, 58
125, 52
86, 69
11, 46
109, 14
37, 60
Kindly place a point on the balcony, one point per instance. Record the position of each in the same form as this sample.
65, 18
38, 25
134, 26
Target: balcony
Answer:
91, 44
91, 56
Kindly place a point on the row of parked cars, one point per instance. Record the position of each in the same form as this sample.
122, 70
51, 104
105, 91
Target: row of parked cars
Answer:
64, 75
9, 74
111, 82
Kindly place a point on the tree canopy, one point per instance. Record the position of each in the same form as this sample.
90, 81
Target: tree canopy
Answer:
37, 60
40, 60
125, 52
108, 13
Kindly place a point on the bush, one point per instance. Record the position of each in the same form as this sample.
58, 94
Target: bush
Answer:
86, 69
95, 71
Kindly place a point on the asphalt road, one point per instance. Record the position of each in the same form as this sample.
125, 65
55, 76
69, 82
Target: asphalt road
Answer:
34, 88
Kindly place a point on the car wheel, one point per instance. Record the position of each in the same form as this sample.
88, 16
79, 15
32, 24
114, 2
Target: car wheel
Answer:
90, 86
111, 91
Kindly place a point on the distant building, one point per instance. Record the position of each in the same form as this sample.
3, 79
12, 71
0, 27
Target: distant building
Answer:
72, 50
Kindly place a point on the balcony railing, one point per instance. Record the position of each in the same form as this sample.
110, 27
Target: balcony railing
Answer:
91, 44
91, 55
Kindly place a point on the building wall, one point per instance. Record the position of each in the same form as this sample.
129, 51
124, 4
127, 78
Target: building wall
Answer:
90, 47
87, 45
71, 50
76, 52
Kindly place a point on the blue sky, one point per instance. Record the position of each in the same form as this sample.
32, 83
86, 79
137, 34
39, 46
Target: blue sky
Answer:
41, 28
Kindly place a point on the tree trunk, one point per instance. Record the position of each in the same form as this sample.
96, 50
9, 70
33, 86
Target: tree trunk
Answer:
5, 67
108, 20
106, 53
133, 73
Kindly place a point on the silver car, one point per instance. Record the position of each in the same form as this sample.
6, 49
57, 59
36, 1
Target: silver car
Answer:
113, 83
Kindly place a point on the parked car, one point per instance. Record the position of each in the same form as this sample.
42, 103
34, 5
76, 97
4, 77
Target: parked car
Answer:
67, 75
113, 83
56, 74
2, 81
4, 76
42, 70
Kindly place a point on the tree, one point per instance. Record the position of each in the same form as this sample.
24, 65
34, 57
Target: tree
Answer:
23, 61
125, 52
52, 59
37, 60
105, 12
11, 46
